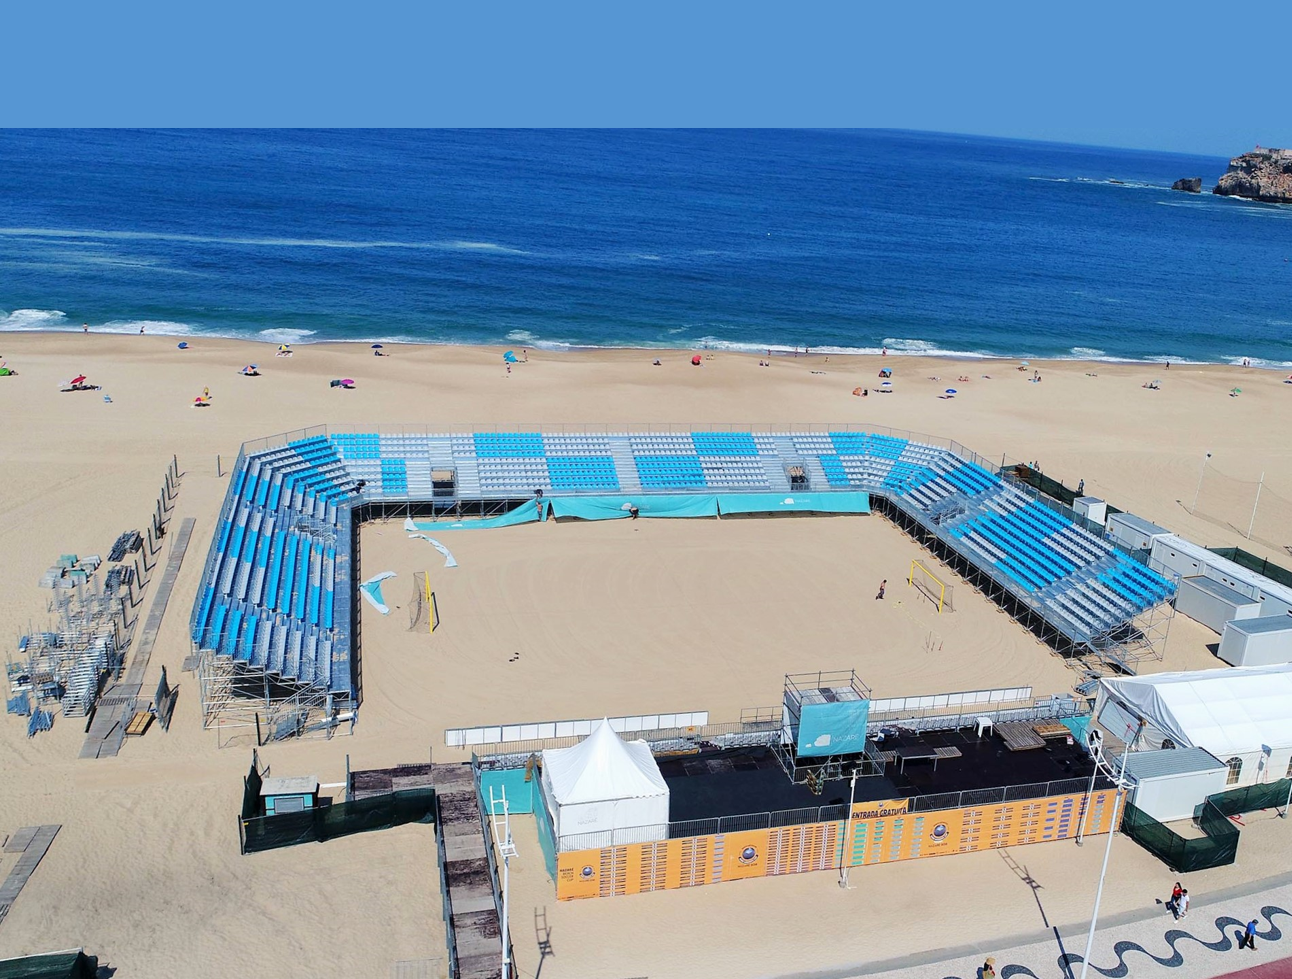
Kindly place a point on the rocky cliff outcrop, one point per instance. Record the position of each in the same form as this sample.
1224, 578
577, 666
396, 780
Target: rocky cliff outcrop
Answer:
1262, 175
1190, 185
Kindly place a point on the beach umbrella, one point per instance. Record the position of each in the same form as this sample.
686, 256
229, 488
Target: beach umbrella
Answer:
377, 346
183, 345
951, 391
885, 384
79, 379
1025, 363
1236, 391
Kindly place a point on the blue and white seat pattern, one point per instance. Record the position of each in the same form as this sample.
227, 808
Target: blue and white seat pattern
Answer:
280, 562
275, 593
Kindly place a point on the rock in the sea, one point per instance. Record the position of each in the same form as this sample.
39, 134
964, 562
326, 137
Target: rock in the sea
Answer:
1190, 185
1262, 175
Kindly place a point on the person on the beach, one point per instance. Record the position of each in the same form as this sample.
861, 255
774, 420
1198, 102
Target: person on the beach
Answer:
85, 327
1176, 891
1182, 904
882, 585
141, 329
1249, 936
633, 511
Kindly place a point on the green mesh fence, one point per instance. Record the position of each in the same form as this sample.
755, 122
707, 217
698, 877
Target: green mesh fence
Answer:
54, 965
1218, 848
1250, 798
257, 832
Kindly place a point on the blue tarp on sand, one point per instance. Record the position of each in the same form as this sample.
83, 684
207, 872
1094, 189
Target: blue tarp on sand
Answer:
527, 512
801, 502
616, 507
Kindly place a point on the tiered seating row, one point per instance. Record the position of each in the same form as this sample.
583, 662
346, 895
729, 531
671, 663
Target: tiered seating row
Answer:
269, 599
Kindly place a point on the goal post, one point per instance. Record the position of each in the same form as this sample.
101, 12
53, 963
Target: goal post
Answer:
423, 610
930, 586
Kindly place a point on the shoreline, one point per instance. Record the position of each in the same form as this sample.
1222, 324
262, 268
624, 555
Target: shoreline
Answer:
776, 352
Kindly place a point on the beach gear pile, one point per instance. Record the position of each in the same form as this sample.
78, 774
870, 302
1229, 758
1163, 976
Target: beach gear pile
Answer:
346, 382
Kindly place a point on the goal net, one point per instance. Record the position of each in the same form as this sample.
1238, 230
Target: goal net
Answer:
935, 589
423, 612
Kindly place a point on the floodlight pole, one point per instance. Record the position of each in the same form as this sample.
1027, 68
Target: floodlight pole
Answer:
1257, 502
508, 850
1119, 788
1198, 491
846, 859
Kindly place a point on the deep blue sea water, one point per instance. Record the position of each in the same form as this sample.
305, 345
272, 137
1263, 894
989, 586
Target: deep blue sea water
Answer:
739, 239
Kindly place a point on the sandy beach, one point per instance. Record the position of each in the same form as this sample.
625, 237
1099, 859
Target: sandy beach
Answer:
608, 618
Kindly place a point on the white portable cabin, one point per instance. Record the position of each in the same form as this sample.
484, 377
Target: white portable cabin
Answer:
1257, 642
1212, 603
604, 783
1092, 508
1187, 559
1171, 784
1242, 716
1132, 531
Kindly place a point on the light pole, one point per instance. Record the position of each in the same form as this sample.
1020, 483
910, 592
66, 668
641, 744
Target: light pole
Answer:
1096, 742
508, 850
846, 861
1198, 491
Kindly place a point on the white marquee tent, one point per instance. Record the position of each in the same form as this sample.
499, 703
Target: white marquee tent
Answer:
605, 783
1243, 716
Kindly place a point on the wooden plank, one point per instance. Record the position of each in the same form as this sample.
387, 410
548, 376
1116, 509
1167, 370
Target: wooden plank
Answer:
117, 706
1019, 736
37, 845
1051, 729
18, 842
138, 724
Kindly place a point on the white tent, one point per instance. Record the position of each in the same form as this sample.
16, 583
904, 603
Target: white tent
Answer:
604, 783
1243, 716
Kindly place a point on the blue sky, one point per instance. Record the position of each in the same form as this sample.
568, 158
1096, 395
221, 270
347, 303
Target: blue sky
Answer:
1170, 76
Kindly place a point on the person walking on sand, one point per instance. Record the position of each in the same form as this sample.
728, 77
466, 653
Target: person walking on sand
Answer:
141, 329
85, 327
1174, 902
1249, 936
882, 585
1182, 904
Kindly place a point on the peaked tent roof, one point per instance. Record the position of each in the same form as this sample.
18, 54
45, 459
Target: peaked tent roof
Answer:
1226, 711
601, 768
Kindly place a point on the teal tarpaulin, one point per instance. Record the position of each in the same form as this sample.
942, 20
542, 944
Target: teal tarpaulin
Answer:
801, 502
616, 507
528, 512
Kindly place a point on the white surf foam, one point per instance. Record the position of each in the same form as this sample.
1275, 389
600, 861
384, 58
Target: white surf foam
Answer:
522, 336
284, 335
104, 234
165, 328
32, 319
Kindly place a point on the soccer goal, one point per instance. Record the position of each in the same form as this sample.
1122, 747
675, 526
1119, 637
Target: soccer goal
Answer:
930, 586
423, 612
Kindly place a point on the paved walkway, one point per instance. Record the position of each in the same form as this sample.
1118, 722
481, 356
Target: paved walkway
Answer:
1144, 944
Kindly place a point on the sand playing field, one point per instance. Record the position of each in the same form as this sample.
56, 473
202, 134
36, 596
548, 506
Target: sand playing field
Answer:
622, 617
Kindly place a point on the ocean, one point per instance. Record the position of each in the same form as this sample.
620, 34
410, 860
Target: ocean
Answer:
842, 241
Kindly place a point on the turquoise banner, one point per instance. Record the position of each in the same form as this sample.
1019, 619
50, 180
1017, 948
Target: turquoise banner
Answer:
617, 507
833, 728
520, 794
529, 512
794, 502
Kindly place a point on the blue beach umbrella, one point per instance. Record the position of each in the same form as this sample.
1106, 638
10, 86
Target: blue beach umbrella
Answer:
377, 346
951, 390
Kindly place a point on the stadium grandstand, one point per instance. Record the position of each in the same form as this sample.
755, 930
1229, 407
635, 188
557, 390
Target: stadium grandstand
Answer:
277, 627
